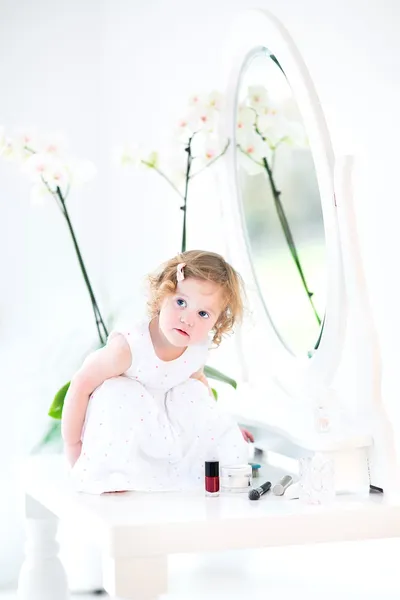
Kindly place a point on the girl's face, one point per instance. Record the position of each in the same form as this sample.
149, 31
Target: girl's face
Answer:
187, 316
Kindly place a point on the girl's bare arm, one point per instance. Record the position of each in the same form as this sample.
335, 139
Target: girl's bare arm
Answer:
112, 360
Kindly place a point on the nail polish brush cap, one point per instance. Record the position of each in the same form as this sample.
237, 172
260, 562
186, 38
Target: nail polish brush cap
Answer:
212, 468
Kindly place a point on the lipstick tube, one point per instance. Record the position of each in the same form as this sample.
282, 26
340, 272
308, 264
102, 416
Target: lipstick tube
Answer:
212, 478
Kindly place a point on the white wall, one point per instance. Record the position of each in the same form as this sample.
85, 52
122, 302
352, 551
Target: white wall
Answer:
104, 72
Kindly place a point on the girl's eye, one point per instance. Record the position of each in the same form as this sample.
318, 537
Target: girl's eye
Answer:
203, 314
181, 302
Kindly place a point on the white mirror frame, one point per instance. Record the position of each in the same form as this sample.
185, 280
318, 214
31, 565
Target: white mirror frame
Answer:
297, 376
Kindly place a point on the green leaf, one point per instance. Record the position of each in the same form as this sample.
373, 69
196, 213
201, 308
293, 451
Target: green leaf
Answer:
218, 376
215, 393
56, 408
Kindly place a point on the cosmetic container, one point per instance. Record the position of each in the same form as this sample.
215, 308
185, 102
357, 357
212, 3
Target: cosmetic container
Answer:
236, 478
282, 485
255, 469
211, 478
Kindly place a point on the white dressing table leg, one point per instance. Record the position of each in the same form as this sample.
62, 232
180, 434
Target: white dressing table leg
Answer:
42, 575
135, 578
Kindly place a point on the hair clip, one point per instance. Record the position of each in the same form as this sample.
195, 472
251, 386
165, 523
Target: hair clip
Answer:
180, 276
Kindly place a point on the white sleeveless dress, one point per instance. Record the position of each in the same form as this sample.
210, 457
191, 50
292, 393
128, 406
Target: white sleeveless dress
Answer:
152, 428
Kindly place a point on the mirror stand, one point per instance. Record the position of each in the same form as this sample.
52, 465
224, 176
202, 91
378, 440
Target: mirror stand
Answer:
300, 402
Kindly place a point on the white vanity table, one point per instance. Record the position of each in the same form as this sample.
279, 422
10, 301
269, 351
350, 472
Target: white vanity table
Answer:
137, 531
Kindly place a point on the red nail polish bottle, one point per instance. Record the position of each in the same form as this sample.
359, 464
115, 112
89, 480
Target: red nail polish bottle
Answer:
212, 478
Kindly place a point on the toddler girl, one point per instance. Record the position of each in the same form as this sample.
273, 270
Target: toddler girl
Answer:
139, 414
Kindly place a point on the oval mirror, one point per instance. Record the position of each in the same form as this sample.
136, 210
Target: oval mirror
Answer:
280, 203
281, 217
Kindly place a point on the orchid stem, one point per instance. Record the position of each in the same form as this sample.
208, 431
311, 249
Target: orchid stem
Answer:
100, 325
289, 236
185, 197
101, 328
285, 227
61, 201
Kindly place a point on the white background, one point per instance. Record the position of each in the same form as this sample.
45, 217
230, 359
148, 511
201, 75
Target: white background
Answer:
106, 72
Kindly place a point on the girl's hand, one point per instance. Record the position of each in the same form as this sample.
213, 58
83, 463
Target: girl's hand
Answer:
199, 375
72, 452
247, 436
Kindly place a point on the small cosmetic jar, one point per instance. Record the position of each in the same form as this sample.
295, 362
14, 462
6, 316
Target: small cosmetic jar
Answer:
255, 469
236, 478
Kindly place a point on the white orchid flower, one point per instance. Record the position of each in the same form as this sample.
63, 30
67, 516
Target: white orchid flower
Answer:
202, 118
57, 176
47, 168
257, 97
215, 100
182, 131
205, 148
11, 150
252, 149
252, 144
198, 100
53, 144
28, 140
36, 166
273, 127
212, 148
246, 118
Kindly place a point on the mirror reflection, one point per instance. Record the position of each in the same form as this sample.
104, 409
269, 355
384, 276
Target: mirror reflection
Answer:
280, 204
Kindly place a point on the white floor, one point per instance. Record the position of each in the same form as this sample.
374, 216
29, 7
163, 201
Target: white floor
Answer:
350, 571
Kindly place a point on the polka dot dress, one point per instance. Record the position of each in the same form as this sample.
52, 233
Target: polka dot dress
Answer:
152, 428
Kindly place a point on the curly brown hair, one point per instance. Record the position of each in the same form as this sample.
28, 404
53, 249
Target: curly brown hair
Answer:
208, 266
